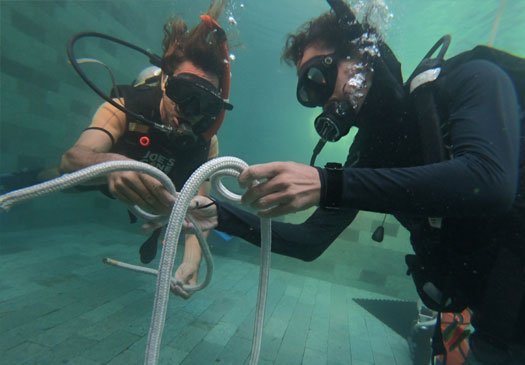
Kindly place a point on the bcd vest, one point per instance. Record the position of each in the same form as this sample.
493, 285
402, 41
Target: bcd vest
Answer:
143, 143
455, 265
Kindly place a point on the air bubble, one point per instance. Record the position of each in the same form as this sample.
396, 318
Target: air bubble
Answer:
232, 20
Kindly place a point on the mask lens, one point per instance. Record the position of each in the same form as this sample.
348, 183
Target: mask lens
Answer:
316, 81
312, 88
306, 97
316, 76
194, 98
191, 107
211, 106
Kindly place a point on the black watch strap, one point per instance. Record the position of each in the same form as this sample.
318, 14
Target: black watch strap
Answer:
331, 185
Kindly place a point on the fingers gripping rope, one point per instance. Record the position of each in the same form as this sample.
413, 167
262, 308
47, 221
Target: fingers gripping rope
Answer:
67, 181
215, 170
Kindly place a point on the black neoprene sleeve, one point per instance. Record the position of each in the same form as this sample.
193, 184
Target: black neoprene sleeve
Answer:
305, 241
482, 177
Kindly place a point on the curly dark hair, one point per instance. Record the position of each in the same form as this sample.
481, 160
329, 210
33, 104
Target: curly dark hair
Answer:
323, 30
202, 46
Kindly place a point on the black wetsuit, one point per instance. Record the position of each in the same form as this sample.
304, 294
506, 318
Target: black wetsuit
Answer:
479, 192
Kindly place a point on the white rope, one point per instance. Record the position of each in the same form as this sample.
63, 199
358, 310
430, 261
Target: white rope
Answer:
215, 170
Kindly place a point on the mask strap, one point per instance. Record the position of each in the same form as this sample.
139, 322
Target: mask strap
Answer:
225, 83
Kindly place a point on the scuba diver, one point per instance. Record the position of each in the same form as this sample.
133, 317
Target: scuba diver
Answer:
187, 99
442, 152
184, 103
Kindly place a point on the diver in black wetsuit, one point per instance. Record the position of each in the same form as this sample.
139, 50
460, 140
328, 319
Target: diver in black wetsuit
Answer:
464, 205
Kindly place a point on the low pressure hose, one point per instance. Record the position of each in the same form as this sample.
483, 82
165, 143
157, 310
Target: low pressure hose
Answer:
215, 170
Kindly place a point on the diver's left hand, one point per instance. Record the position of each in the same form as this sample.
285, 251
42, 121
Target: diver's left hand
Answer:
186, 274
286, 187
204, 212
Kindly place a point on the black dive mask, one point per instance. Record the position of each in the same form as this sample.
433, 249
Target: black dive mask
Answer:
335, 121
198, 101
317, 79
315, 85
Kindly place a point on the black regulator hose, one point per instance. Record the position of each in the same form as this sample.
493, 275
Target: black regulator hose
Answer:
153, 59
317, 150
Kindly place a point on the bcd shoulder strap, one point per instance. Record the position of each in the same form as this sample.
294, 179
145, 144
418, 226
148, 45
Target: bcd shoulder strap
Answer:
420, 86
514, 66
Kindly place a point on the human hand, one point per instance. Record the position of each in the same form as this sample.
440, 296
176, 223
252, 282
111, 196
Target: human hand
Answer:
204, 212
186, 274
134, 188
285, 187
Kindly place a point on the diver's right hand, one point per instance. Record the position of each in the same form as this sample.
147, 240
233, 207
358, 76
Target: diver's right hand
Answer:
204, 212
134, 188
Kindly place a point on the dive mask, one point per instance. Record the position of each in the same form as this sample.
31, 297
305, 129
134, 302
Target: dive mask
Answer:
198, 101
316, 84
316, 81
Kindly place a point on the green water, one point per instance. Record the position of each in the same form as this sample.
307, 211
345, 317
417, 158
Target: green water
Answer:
267, 123
44, 106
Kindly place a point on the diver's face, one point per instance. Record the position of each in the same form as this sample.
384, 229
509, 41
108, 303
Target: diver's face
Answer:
353, 80
169, 111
